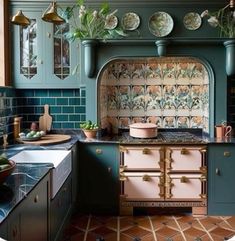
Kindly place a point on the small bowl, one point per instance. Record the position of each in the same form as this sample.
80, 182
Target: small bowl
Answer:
6, 172
90, 133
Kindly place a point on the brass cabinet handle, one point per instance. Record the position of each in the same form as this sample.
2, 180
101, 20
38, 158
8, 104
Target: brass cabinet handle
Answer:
227, 153
184, 151
36, 198
98, 151
217, 171
184, 179
146, 151
122, 177
146, 178
122, 168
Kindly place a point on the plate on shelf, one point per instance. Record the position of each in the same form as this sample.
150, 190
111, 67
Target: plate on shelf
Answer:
111, 22
30, 138
192, 21
130, 21
160, 24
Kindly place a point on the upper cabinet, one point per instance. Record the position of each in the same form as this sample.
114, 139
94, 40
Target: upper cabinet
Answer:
42, 56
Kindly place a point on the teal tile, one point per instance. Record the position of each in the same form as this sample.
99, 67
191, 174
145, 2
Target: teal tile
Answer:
49, 101
25, 93
55, 109
83, 101
62, 117
68, 125
33, 118
68, 93
41, 93
21, 101
39, 110
68, 109
55, 93
56, 125
74, 117
33, 101
80, 109
74, 101
83, 117
62, 101
77, 125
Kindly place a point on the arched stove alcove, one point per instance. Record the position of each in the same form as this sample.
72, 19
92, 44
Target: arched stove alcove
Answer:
173, 92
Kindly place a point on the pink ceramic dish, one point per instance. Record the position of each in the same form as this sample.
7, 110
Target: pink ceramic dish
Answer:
143, 130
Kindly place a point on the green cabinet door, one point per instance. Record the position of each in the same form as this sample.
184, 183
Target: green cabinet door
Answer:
34, 213
43, 57
4, 230
98, 187
221, 179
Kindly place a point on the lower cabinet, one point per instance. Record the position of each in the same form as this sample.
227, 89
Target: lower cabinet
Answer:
60, 209
29, 221
221, 179
98, 190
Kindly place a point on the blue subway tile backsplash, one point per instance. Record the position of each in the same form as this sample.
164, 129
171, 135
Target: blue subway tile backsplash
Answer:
67, 107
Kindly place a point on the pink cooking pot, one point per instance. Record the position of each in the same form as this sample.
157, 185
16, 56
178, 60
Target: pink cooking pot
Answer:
143, 130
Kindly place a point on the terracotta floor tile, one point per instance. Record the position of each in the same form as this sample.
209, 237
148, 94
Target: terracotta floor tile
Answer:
225, 224
210, 222
160, 221
221, 232
172, 224
193, 233
123, 237
177, 237
166, 232
102, 231
136, 231
231, 221
145, 223
77, 237
129, 221
71, 230
80, 221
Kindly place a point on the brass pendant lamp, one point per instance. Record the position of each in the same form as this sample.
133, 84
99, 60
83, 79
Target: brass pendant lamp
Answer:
20, 19
50, 15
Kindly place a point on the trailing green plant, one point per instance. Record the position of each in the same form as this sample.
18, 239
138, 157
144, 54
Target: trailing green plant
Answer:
89, 125
87, 23
224, 19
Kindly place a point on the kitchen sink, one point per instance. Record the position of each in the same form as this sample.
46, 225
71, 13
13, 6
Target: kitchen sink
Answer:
61, 160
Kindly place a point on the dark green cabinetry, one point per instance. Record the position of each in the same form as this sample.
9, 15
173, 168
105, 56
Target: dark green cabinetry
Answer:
221, 179
29, 221
4, 230
98, 188
60, 209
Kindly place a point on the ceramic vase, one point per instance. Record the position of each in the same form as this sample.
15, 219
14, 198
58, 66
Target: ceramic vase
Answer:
230, 57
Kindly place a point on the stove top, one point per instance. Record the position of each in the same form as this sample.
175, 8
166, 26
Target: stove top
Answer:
166, 137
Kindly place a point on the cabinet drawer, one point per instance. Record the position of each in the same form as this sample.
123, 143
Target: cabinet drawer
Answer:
142, 186
190, 187
147, 158
184, 159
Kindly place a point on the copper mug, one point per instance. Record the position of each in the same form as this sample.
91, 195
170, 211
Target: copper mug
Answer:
223, 131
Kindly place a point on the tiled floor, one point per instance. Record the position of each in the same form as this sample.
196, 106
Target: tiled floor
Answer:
149, 228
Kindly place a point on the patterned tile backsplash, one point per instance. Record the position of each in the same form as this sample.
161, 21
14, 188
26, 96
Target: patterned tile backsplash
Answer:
67, 107
171, 92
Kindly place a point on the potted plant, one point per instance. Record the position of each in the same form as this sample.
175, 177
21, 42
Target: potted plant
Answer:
224, 19
89, 128
91, 25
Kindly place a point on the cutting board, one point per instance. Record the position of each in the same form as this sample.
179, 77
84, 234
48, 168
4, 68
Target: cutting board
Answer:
45, 120
48, 140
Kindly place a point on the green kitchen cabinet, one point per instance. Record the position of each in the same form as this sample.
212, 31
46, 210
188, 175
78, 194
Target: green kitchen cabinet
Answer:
221, 179
60, 210
29, 220
4, 230
43, 57
98, 187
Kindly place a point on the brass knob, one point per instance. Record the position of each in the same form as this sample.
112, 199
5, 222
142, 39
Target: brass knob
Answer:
122, 177
217, 171
184, 179
122, 168
36, 198
227, 153
184, 151
146, 178
146, 151
98, 151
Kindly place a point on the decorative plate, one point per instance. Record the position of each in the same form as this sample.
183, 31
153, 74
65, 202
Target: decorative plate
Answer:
192, 21
130, 21
111, 22
160, 24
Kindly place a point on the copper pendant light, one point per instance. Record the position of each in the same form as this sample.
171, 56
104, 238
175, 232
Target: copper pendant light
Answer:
50, 15
20, 19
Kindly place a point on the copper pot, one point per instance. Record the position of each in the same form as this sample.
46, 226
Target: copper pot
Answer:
143, 130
